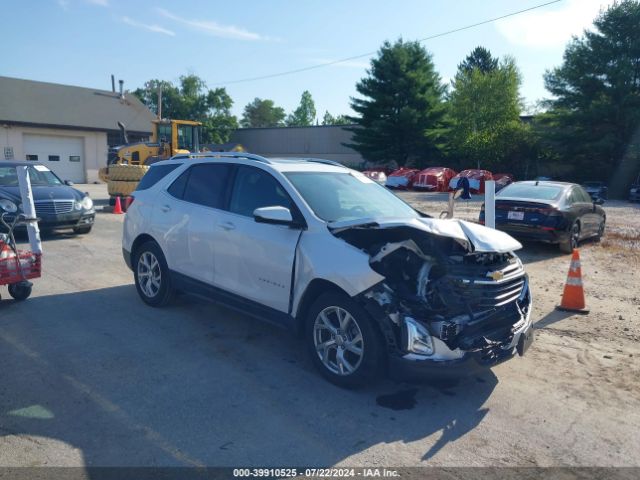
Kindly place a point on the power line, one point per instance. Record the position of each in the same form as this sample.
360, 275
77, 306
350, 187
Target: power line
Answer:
368, 54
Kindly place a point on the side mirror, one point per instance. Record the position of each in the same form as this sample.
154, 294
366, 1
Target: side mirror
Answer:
68, 183
598, 201
275, 215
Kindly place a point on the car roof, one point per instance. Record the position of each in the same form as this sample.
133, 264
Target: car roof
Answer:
545, 183
17, 163
289, 164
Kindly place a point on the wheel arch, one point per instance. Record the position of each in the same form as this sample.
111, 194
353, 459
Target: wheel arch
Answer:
140, 240
316, 287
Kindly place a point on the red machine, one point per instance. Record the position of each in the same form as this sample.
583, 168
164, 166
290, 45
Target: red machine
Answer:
376, 175
402, 178
502, 180
476, 179
17, 267
434, 179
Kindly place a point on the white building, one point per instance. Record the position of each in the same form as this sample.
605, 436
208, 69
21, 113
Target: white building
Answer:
69, 129
322, 141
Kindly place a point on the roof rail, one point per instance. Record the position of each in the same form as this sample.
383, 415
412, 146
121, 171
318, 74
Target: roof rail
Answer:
325, 161
248, 156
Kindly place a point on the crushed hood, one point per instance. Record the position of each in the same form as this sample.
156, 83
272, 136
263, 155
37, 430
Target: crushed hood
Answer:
473, 236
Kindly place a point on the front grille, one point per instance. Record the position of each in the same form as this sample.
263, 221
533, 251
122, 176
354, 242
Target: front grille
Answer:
53, 207
485, 293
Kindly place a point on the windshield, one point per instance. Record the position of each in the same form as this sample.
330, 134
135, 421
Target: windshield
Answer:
526, 190
345, 196
39, 175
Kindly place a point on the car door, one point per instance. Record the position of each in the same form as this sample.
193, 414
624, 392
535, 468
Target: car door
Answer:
592, 216
171, 224
581, 210
255, 260
205, 190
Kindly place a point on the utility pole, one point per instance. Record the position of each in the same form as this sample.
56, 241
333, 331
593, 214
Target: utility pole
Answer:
159, 102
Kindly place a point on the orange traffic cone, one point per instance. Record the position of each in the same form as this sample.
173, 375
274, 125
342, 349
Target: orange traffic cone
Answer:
118, 207
573, 296
127, 203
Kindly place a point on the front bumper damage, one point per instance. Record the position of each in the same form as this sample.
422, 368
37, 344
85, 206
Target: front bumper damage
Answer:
481, 344
444, 308
460, 344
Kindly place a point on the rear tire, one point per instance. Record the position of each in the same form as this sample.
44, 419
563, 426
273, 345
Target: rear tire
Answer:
572, 242
343, 341
151, 275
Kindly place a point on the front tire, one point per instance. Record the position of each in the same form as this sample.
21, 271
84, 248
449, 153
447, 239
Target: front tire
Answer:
343, 342
601, 229
81, 230
151, 275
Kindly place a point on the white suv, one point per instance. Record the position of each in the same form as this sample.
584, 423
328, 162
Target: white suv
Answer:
369, 282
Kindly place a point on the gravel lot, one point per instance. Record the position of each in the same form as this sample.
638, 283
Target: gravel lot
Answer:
91, 376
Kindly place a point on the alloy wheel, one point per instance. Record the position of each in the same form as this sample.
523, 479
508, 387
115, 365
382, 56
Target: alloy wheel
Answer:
338, 340
149, 274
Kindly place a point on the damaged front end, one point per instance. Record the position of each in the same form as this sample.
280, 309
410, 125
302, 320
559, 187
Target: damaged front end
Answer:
447, 302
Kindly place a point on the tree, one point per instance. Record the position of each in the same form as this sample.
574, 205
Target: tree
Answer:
262, 113
329, 119
480, 58
484, 109
219, 123
192, 100
594, 117
305, 114
401, 110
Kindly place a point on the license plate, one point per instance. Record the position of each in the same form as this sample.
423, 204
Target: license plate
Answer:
515, 215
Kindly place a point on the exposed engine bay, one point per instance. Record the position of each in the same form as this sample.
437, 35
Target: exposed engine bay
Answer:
441, 296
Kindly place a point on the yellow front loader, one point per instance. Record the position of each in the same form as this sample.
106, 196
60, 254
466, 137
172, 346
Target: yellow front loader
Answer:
129, 162
169, 137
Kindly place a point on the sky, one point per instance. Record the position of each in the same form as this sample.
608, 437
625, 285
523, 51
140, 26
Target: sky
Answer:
83, 42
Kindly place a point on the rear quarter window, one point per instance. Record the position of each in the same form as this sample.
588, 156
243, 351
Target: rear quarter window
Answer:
155, 174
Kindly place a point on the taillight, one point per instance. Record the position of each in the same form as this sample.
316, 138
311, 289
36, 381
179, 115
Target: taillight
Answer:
550, 212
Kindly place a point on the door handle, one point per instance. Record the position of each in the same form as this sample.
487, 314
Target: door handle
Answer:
165, 208
227, 226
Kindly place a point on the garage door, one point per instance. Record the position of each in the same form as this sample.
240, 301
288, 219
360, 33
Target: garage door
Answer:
63, 155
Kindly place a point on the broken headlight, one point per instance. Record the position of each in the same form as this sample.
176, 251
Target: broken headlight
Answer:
416, 337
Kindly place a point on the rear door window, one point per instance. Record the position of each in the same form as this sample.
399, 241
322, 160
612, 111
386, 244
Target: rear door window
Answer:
575, 196
207, 184
155, 174
178, 186
583, 195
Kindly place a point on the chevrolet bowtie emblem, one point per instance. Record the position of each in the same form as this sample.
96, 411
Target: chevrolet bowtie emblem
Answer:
495, 276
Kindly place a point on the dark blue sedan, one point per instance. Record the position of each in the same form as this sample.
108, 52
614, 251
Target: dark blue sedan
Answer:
552, 212
58, 205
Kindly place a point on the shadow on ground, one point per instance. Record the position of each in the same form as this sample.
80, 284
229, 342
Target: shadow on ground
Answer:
195, 384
